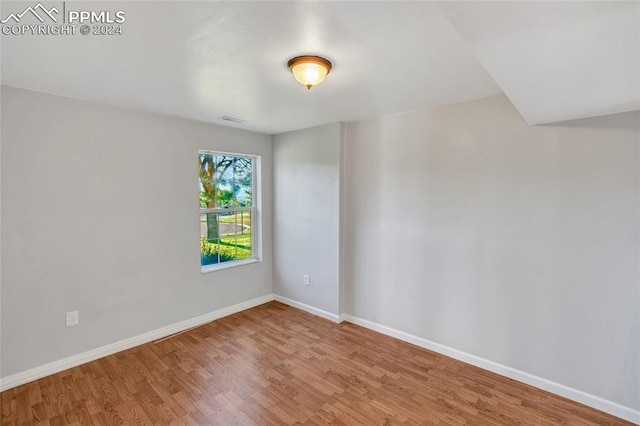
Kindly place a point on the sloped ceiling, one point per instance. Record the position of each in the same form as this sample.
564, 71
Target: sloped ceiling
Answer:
204, 60
556, 61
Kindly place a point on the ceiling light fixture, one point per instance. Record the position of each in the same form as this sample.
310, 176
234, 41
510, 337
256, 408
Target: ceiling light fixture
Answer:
309, 70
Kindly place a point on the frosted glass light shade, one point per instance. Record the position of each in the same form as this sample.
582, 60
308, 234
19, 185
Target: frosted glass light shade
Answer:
309, 70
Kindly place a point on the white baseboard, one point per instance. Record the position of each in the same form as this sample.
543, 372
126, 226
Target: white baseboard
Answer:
82, 358
596, 402
307, 308
593, 401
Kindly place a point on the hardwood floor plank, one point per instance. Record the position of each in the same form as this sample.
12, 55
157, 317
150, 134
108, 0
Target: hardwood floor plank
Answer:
276, 365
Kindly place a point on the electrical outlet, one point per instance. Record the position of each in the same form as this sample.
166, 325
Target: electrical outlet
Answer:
72, 318
307, 280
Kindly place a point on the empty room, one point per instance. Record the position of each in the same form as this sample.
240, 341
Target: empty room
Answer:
319, 212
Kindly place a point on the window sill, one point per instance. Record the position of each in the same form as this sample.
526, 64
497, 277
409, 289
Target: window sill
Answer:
227, 265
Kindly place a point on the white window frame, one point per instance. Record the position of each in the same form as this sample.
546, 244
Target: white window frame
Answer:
256, 221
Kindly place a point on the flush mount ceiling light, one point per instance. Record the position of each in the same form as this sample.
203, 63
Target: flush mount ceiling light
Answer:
309, 70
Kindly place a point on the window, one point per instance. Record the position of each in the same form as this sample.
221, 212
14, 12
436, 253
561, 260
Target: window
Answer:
228, 214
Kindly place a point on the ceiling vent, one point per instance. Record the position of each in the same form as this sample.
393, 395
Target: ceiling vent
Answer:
233, 119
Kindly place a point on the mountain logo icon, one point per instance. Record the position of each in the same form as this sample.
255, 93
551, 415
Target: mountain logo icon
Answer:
39, 11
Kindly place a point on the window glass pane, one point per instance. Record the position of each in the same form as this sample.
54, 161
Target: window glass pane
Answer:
209, 239
243, 182
225, 180
207, 183
225, 237
235, 236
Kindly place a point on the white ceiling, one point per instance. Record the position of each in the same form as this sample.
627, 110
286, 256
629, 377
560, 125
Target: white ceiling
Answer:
203, 60
557, 60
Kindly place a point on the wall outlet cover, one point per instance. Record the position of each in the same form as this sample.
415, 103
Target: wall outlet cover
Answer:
72, 318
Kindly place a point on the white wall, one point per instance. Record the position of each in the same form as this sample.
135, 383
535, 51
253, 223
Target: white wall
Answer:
306, 215
100, 215
1, 90
461, 225
517, 244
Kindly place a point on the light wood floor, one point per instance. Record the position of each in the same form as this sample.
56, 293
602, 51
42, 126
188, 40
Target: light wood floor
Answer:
277, 365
